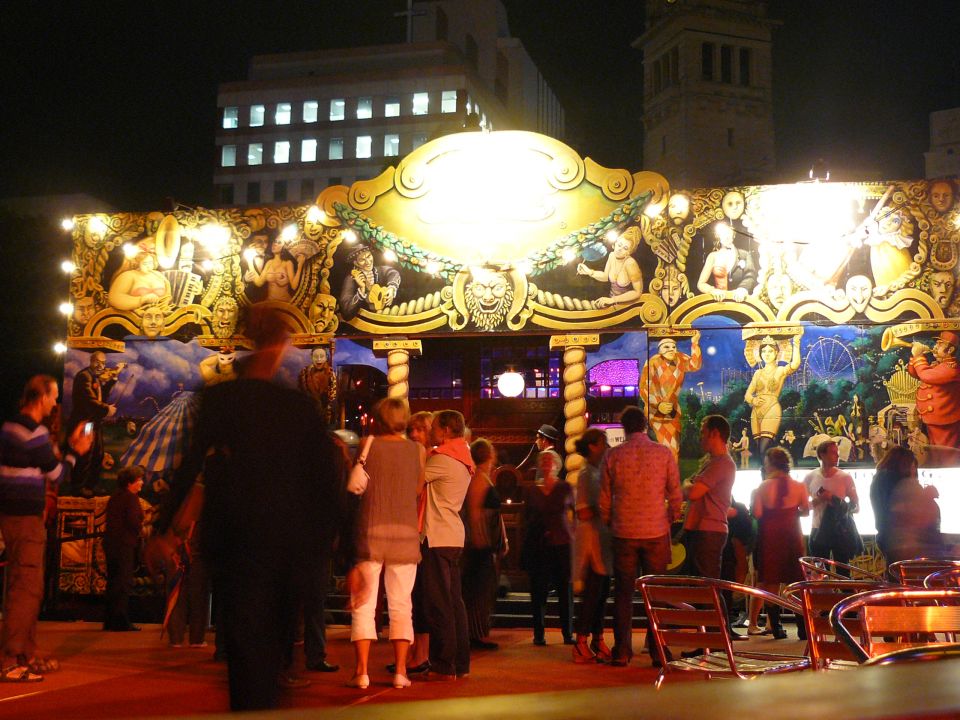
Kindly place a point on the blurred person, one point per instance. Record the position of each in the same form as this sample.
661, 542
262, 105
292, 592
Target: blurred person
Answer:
189, 617
271, 504
778, 504
29, 469
484, 538
545, 554
121, 539
639, 499
593, 556
388, 539
824, 484
734, 564
448, 472
546, 443
907, 515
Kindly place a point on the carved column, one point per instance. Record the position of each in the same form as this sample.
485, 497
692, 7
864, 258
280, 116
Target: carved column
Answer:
574, 393
397, 352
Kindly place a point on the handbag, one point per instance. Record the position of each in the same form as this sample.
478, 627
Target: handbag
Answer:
359, 477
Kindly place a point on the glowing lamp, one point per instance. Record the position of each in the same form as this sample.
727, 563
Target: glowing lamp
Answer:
611, 236
510, 383
288, 233
389, 256
67, 224
68, 266
249, 254
59, 348
214, 237
66, 308
568, 255
314, 214
130, 250
724, 232
433, 267
349, 236
525, 267
207, 265
97, 226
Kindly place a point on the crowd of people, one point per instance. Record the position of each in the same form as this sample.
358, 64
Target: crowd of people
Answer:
269, 496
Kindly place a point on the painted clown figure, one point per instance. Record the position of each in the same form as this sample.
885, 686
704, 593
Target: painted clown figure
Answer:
660, 383
938, 396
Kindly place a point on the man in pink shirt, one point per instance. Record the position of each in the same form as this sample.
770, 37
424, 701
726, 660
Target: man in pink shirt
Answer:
639, 498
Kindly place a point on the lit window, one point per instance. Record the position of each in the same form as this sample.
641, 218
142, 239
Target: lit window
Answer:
418, 140
255, 154
364, 108
282, 116
448, 101
335, 151
391, 108
231, 118
391, 145
336, 109
308, 150
228, 156
281, 151
483, 121
364, 146
310, 111
421, 103
257, 113
469, 105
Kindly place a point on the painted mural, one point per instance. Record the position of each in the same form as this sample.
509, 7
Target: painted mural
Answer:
745, 298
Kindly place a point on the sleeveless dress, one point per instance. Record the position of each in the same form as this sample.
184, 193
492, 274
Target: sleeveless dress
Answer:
387, 523
779, 546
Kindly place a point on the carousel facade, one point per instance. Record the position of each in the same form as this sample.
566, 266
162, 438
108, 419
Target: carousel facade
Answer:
502, 275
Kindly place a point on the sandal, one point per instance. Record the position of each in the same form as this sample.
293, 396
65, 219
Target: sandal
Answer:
18, 674
39, 665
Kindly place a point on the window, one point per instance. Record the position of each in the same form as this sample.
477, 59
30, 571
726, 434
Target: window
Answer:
225, 194
283, 114
281, 151
307, 191
364, 108
418, 140
337, 106
726, 64
279, 190
391, 107
308, 150
391, 145
231, 118
706, 61
364, 146
421, 103
744, 66
448, 101
255, 154
310, 111
253, 192
257, 113
335, 150
228, 156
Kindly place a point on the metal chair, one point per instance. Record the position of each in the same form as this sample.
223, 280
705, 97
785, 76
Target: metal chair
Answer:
687, 613
949, 578
913, 572
895, 618
817, 598
818, 568
922, 653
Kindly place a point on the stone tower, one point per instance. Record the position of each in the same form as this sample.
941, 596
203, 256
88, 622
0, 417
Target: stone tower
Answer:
707, 92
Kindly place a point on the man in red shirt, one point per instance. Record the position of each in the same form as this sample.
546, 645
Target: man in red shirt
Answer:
938, 397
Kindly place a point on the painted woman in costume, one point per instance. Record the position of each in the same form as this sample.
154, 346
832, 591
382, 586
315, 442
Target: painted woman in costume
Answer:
763, 394
622, 271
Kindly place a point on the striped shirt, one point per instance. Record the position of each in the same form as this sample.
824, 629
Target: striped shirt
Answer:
27, 465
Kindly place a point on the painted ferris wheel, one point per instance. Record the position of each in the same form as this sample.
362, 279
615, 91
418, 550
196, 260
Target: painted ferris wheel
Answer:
828, 361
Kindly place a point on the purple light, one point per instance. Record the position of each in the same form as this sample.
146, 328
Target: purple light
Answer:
622, 372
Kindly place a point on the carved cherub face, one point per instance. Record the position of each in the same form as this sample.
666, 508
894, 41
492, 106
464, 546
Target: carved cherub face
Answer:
858, 290
152, 321
941, 196
779, 288
672, 287
224, 317
488, 298
678, 208
83, 310
942, 285
733, 204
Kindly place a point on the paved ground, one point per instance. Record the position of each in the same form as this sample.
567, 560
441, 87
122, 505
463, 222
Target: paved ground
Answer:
112, 675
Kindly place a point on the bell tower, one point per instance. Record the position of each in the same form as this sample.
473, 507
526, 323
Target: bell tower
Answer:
707, 92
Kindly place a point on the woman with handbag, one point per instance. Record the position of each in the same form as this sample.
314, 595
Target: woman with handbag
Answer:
482, 521
387, 536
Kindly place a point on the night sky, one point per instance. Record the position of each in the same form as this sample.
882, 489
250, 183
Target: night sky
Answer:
118, 99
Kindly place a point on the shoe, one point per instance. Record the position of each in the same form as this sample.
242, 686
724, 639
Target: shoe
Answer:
18, 674
779, 633
292, 682
361, 682
198, 645
440, 677
741, 621
401, 681
322, 666
735, 636
39, 665
697, 652
539, 641
414, 670
483, 645
463, 676
582, 652
602, 653
756, 630
619, 661
176, 645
